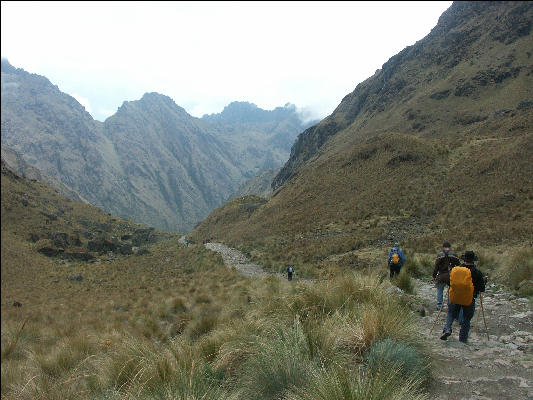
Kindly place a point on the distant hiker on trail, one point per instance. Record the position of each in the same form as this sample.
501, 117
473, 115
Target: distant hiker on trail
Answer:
466, 282
446, 259
290, 271
187, 242
395, 260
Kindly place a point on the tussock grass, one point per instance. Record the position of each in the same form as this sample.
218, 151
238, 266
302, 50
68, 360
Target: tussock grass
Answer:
404, 282
176, 324
341, 384
517, 271
388, 354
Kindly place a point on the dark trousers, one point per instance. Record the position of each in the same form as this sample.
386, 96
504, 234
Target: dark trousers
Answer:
453, 313
394, 269
289, 276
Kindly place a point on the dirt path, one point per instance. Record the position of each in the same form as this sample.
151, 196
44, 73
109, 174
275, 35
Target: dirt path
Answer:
499, 368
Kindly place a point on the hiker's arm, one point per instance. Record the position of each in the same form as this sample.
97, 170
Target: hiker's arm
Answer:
479, 283
436, 267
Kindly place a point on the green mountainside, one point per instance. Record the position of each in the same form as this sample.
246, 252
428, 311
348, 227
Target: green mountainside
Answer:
151, 161
436, 145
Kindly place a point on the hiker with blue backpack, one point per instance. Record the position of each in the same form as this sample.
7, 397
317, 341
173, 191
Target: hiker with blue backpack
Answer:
466, 283
395, 260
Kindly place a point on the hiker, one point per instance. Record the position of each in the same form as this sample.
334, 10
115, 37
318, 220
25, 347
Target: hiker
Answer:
290, 271
446, 259
466, 282
395, 260
187, 242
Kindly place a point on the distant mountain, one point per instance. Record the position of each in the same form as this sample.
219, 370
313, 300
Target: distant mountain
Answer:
260, 185
151, 162
437, 144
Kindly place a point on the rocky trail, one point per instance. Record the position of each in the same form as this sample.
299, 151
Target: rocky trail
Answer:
498, 368
234, 258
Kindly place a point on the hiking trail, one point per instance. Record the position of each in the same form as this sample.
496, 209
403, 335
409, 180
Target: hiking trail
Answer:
500, 368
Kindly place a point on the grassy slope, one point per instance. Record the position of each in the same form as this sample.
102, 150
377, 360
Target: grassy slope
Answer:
407, 166
177, 324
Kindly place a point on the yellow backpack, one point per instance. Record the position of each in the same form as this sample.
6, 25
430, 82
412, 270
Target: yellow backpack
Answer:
461, 286
395, 259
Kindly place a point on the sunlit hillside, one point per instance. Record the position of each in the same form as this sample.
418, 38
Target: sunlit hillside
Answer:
172, 322
436, 145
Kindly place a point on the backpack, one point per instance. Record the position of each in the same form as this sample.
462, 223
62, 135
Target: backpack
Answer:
291, 269
461, 286
395, 258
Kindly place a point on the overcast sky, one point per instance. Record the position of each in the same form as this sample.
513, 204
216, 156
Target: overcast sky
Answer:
205, 55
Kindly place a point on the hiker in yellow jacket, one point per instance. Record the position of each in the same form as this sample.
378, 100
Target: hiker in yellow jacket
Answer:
466, 282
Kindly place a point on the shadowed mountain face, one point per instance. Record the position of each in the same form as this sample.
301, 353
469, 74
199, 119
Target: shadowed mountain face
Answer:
151, 162
437, 144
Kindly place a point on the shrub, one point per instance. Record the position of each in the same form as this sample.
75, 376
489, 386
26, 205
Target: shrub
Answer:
404, 282
519, 268
342, 384
388, 353
280, 363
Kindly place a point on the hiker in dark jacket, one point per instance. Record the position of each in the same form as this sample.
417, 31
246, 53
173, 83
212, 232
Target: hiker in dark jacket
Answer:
395, 263
290, 271
446, 260
468, 311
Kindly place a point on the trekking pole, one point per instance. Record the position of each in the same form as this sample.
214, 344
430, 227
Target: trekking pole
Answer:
483, 312
477, 321
440, 310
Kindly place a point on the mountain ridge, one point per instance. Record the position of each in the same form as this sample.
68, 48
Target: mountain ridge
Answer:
151, 161
435, 146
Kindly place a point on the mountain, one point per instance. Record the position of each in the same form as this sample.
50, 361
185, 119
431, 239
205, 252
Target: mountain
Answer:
436, 145
15, 162
260, 185
151, 161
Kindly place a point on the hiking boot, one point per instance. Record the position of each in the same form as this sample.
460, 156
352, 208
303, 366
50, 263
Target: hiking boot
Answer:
445, 335
465, 341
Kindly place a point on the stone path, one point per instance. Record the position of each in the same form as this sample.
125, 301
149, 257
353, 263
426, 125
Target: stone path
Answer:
499, 368
234, 258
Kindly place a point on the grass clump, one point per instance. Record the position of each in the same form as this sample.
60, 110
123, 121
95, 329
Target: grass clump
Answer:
404, 281
406, 359
279, 363
342, 384
517, 272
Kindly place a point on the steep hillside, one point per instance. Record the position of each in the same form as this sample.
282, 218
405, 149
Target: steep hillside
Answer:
151, 162
472, 69
15, 162
259, 185
437, 144
37, 218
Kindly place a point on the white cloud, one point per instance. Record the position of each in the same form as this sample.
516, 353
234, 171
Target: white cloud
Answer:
206, 54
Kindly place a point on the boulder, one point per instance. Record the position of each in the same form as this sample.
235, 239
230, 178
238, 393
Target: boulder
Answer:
50, 251
101, 245
75, 277
59, 239
78, 255
143, 236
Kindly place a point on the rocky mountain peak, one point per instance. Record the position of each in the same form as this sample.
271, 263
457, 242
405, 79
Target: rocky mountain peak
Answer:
6, 66
245, 112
